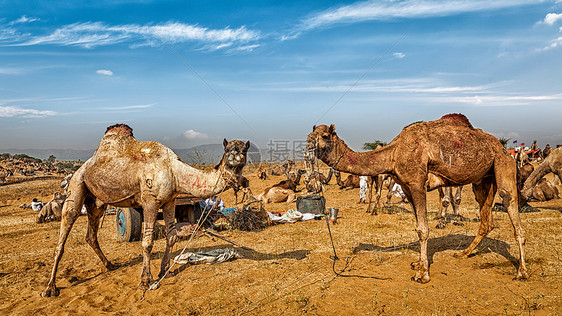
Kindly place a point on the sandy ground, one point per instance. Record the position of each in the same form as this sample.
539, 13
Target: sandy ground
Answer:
290, 270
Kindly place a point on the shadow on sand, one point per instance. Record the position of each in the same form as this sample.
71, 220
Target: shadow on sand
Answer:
448, 242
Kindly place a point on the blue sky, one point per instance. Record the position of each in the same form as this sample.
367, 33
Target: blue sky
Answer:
192, 72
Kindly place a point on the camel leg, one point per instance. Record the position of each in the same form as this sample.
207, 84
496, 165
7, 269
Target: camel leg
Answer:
456, 202
292, 197
444, 197
70, 212
150, 210
389, 194
505, 173
418, 198
484, 193
171, 235
94, 216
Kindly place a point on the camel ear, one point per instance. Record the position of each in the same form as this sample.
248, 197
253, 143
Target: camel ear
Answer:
313, 128
332, 129
224, 143
247, 146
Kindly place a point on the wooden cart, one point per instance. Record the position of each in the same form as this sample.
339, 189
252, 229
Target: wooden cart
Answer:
129, 220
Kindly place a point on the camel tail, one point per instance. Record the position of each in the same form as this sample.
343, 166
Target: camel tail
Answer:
534, 178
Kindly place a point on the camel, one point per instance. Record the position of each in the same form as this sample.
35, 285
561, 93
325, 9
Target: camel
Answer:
242, 183
553, 163
543, 190
276, 195
261, 173
52, 210
447, 197
313, 184
428, 155
124, 172
278, 170
351, 182
292, 181
521, 158
546, 151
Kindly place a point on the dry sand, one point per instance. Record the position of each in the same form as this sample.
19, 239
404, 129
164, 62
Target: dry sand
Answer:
290, 271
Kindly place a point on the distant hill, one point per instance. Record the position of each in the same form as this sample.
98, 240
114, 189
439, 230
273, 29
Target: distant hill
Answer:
202, 154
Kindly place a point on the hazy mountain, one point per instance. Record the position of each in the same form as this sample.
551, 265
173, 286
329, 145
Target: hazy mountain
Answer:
202, 154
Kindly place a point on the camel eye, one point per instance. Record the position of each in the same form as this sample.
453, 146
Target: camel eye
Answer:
325, 136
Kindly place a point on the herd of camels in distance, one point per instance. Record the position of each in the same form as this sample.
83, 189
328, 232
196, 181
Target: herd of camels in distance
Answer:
444, 153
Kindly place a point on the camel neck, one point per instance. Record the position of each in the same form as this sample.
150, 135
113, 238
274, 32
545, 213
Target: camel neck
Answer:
198, 183
370, 163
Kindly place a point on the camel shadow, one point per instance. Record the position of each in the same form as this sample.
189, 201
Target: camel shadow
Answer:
448, 242
552, 208
249, 254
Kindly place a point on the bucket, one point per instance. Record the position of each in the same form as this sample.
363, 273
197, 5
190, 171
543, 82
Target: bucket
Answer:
333, 215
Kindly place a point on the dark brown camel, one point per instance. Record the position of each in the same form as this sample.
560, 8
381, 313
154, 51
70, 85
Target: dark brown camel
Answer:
428, 155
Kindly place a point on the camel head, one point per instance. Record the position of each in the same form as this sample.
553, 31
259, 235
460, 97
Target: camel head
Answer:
323, 141
235, 153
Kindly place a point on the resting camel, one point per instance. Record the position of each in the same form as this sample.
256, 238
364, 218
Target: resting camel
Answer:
552, 163
428, 155
351, 182
292, 181
52, 210
542, 191
124, 172
276, 195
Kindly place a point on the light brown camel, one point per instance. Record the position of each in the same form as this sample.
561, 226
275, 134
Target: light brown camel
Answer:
350, 182
543, 190
552, 163
447, 197
52, 210
428, 155
276, 195
124, 172
313, 184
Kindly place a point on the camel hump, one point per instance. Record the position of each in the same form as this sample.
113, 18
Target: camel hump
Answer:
457, 118
120, 128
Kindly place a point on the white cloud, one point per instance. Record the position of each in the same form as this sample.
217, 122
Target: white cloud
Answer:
12, 111
24, 19
93, 34
130, 107
373, 10
105, 72
553, 44
399, 55
551, 18
191, 134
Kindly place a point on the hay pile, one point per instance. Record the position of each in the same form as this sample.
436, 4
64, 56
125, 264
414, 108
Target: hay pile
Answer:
250, 218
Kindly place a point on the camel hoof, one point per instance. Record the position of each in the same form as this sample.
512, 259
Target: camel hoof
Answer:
421, 280
50, 291
415, 265
521, 276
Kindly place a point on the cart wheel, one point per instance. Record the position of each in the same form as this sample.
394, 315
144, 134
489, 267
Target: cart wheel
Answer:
128, 222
